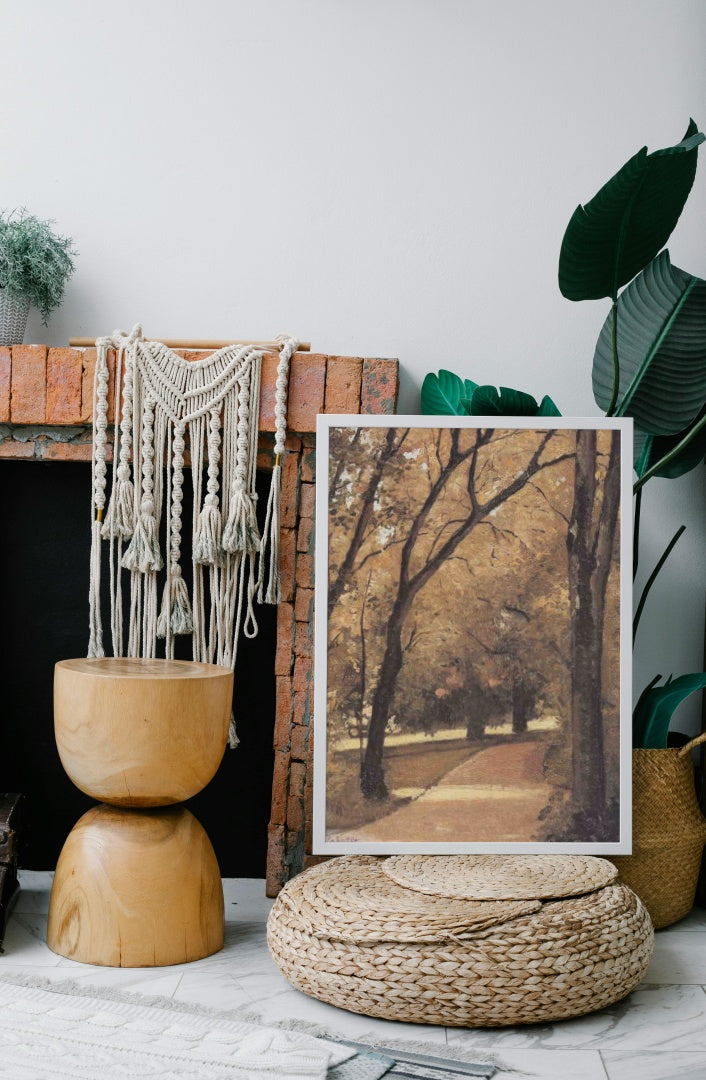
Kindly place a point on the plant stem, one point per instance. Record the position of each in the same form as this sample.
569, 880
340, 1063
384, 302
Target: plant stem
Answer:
616, 365
651, 579
691, 433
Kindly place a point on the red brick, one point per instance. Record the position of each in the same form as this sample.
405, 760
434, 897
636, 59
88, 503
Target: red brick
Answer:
64, 378
302, 674
304, 605
5, 374
305, 535
265, 460
308, 471
297, 779
289, 500
308, 810
89, 368
280, 777
300, 740
343, 382
292, 444
28, 400
306, 391
267, 391
284, 655
11, 448
379, 386
307, 500
302, 708
302, 641
287, 560
307, 383
283, 712
275, 859
305, 571
53, 451
295, 815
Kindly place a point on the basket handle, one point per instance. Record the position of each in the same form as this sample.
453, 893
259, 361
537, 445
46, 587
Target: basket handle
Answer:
691, 745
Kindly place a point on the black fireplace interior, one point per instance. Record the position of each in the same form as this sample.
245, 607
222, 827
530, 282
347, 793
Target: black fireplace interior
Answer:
44, 559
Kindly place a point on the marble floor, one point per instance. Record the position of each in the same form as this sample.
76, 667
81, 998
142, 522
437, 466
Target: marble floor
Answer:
658, 1033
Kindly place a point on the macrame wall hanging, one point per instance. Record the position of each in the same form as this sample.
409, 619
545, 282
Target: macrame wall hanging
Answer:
160, 401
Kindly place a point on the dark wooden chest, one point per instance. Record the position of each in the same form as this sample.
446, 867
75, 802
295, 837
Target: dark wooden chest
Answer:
10, 831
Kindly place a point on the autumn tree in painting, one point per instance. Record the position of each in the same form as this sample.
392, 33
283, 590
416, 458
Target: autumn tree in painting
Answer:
590, 542
453, 585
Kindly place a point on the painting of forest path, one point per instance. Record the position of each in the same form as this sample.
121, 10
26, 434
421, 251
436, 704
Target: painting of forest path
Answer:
472, 638
501, 791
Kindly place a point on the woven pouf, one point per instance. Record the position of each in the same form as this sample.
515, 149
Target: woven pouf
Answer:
350, 933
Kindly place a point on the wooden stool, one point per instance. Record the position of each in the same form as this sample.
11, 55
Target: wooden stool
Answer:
137, 886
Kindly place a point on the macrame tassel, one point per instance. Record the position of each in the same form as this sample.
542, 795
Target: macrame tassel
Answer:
208, 548
95, 640
241, 532
120, 518
175, 614
273, 593
233, 739
143, 552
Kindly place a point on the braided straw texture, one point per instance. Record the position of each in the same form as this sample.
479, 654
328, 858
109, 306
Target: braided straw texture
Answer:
360, 903
568, 958
501, 877
668, 834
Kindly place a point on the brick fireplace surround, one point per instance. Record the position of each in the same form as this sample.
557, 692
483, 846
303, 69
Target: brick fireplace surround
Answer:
45, 415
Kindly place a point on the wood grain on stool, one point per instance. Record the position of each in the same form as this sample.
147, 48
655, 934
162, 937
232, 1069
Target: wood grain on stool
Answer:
136, 889
141, 732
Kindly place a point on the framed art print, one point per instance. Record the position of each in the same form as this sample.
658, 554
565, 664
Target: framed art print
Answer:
472, 635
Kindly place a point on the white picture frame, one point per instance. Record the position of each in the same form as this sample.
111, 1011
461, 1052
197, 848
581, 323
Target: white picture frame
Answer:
484, 654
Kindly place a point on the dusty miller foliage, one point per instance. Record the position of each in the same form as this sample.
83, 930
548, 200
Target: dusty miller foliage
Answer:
35, 263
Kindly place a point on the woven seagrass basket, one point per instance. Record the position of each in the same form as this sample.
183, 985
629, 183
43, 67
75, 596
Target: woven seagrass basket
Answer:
668, 833
13, 318
349, 934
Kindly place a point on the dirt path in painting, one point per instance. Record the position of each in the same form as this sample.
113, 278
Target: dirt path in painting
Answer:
494, 796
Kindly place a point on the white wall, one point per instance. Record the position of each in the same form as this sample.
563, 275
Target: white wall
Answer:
383, 177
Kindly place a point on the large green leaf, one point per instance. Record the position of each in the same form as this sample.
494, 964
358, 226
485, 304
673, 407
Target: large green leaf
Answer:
648, 450
444, 394
628, 221
491, 401
653, 713
661, 350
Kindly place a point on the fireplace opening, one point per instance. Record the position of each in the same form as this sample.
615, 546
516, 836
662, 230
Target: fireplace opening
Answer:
44, 561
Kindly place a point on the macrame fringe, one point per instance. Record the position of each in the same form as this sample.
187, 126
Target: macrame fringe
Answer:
273, 593
142, 553
233, 739
161, 401
175, 615
241, 532
95, 640
120, 518
208, 546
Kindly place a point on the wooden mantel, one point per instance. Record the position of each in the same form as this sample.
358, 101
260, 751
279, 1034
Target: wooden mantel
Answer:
46, 397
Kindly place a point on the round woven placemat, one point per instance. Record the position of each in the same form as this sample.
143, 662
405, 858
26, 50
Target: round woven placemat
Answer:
500, 877
360, 903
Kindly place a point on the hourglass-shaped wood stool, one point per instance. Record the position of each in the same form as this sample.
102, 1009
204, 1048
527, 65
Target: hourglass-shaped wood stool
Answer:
137, 883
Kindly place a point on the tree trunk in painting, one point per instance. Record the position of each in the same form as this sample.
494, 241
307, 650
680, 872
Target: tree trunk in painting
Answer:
590, 545
410, 582
522, 702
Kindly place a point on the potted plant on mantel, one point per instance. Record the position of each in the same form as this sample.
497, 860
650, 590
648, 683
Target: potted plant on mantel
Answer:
35, 264
650, 364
